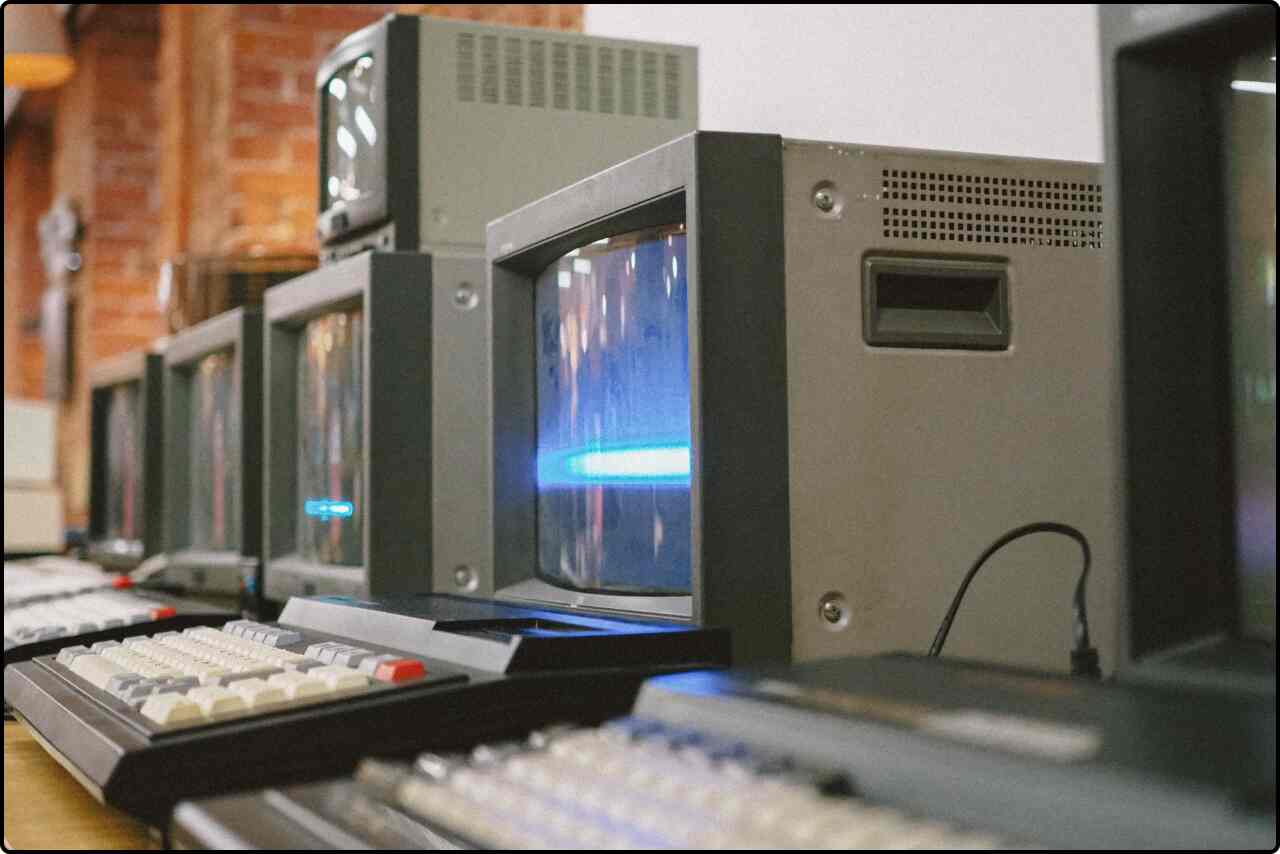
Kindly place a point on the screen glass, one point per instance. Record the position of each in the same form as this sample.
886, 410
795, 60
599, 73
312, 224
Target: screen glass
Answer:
1250, 149
214, 453
353, 154
124, 462
331, 440
613, 417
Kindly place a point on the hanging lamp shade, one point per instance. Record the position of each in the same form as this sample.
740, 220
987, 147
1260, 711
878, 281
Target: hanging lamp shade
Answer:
35, 47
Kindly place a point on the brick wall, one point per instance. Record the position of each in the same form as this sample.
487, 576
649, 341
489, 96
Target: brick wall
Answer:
186, 128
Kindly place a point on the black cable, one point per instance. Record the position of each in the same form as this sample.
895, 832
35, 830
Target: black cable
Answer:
1084, 658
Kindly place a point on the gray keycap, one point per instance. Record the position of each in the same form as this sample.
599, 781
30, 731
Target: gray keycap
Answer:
68, 655
182, 683
84, 628
51, 632
284, 637
119, 684
139, 691
323, 651
101, 645
306, 664
139, 618
351, 656
112, 623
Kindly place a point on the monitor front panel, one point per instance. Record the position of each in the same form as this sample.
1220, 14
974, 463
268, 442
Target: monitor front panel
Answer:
613, 416
214, 457
125, 518
330, 440
1248, 94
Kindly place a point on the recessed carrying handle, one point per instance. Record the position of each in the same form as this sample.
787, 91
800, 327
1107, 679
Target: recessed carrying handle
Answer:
935, 302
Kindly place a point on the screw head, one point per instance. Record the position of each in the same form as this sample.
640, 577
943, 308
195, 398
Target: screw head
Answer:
465, 297
464, 577
833, 608
832, 612
824, 200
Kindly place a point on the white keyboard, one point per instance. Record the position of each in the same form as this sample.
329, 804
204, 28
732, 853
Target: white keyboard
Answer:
633, 784
79, 613
203, 675
46, 577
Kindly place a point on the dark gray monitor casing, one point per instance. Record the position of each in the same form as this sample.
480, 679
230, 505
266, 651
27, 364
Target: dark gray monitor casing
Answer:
220, 572
851, 457
1167, 258
145, 367
425, 467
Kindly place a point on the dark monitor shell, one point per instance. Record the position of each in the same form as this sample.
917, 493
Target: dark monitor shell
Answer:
394, 39
395, 292
1164, 182
145, 367
727, 189
241, 330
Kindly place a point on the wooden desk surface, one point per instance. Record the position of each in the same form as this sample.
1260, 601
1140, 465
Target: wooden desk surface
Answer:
44, 806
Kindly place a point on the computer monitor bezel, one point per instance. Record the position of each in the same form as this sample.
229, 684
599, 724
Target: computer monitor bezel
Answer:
394, 40
239, 330
727, 189
1164, 175
145, 367
394, 289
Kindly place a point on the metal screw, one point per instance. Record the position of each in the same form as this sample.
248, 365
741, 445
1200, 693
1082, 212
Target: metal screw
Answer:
464, 578
832, 612
465, 298
824, 200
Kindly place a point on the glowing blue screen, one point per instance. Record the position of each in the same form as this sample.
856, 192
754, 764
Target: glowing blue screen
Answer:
613, 415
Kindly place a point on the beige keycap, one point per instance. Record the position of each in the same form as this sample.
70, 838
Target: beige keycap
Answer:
340, 678
297, 686
170, 708
96, 670
257, 694
215, 701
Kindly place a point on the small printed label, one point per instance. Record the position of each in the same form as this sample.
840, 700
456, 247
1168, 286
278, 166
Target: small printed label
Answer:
1046, 739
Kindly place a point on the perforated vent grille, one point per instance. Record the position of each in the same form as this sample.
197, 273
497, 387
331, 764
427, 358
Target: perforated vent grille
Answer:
518, 72
974, 208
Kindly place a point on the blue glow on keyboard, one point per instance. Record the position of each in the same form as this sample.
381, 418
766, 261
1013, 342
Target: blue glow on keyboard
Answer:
327, 508
634, 464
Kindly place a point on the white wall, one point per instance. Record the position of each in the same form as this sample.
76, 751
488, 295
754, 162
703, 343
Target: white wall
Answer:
1015, 80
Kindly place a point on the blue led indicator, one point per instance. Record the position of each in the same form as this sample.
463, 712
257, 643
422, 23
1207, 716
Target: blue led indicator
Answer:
621, 465
327, 508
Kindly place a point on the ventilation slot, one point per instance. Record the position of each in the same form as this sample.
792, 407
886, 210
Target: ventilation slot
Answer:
513, 66
605, 78
671, 86
990, 191
537, 73
489, 69
649, 83
560, 75
628, 82
582, 77
466, 67
986, 227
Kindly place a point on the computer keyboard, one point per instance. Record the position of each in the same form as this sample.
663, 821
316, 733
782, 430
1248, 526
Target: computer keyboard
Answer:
149, 720
182, 680
641, 784
43, 578
885, 752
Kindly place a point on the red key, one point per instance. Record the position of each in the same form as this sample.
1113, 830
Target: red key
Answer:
162, 613
120, 582
400, 670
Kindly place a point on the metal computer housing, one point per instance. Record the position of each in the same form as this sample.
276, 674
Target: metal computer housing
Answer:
840, 488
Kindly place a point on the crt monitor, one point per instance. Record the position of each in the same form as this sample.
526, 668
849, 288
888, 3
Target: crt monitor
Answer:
429, 128
795, 388
347, 499
126, 477
1191, 153
213, 401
